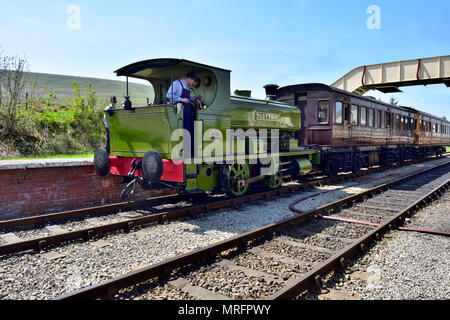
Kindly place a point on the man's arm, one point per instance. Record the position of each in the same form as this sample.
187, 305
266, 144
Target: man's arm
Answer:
177, 90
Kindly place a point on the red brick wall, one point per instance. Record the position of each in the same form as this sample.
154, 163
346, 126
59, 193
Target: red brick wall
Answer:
29, 192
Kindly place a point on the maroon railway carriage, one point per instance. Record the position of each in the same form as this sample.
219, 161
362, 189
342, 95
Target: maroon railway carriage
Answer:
430, 130
355, 131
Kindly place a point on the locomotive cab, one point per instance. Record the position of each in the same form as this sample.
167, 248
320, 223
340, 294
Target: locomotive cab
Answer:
161, 73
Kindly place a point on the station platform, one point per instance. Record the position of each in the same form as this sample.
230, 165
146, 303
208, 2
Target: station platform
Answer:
44, 186
45, 163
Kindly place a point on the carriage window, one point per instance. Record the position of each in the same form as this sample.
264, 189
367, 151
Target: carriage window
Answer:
346, 113
397, 121
371, 118
354, 115
379, 120
363, 116
322, 116
338, 112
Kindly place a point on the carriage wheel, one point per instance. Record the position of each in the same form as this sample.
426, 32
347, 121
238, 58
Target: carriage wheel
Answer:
331, 169
356, 166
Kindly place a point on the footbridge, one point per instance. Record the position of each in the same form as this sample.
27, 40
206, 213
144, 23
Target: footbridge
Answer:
388, 77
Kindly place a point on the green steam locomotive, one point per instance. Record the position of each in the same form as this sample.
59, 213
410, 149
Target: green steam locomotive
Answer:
237, 141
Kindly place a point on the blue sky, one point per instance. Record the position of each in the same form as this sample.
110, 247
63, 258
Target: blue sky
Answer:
283, 42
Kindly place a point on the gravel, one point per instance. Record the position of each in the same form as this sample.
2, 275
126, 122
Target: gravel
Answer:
31, 275
404, 265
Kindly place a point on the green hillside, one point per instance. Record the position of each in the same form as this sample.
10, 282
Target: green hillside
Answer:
63, 87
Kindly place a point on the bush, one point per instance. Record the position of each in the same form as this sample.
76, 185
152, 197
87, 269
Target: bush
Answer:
35, 125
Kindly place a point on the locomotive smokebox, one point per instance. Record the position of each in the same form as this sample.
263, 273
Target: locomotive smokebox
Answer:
271, 91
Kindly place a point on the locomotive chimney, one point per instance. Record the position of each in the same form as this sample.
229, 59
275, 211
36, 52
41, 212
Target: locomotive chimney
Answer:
271, 91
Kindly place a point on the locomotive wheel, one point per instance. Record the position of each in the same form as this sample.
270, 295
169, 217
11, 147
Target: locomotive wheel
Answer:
238, 173
152, 166
275, 181
101, 162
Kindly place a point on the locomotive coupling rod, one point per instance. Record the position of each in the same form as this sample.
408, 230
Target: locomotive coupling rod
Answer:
254, 179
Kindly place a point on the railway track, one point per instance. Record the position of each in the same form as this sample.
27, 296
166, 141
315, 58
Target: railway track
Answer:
128, 223
131, 222
281, 260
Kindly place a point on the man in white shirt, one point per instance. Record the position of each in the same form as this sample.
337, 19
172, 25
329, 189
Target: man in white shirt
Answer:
179, 93
112, 106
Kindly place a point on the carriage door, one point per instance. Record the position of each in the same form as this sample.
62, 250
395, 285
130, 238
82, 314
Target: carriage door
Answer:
347, 123
389, 126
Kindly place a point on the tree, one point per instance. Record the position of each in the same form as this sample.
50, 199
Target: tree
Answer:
394, 101
12, 82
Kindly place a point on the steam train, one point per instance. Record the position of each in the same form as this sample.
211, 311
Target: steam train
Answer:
241, 141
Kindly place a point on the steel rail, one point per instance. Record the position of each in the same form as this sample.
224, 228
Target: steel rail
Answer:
79, 213
108, 288
131, 205
314, 277
43, 243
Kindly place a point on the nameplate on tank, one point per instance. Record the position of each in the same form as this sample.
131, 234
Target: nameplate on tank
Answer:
267, 116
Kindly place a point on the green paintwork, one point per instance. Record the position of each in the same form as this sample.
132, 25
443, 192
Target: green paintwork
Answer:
191, 169
293, 144
304, 164
208, 178
262, 114
134, 133
191, 184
